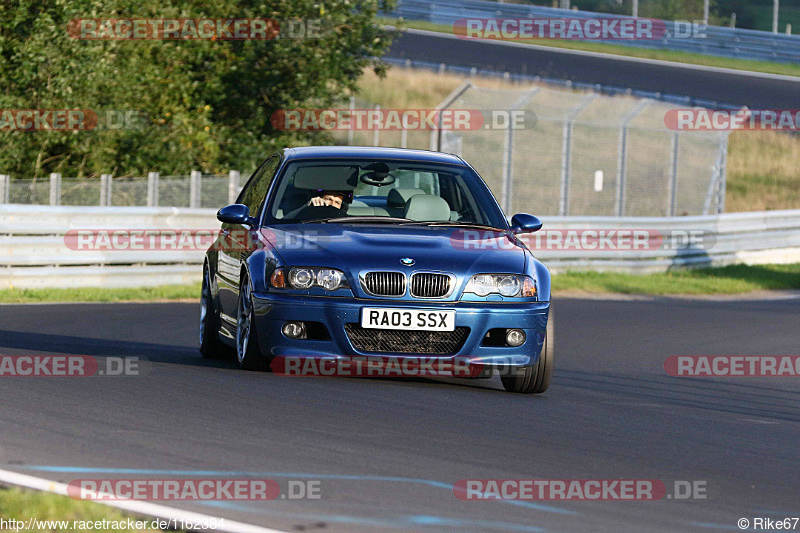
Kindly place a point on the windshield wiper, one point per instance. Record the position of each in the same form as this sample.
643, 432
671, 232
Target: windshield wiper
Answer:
364, 218
455, 224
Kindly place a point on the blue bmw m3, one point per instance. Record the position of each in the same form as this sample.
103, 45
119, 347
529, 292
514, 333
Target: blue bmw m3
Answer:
351, 252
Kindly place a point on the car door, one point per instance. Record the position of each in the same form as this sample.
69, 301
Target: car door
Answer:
236, 237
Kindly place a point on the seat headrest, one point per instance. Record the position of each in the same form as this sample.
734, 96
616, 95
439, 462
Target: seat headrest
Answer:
399, 197
427, 207
359, 211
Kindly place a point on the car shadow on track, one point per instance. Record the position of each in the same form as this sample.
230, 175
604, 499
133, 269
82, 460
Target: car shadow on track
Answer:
44, 343
67, 344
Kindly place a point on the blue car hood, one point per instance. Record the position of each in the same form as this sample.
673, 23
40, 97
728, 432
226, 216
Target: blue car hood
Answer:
353, 248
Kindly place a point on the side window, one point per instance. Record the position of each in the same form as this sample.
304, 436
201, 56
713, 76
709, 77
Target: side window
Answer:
257, 186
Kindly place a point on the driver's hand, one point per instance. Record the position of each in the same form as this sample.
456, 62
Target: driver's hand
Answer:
318, 201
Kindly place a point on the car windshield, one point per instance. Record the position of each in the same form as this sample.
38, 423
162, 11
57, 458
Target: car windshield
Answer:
381, 192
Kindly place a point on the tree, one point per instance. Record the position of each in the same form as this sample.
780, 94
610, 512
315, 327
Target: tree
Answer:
208, 102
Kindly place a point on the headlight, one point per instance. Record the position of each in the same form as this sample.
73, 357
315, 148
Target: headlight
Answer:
301, 278
329, 279
482, 285
508, 285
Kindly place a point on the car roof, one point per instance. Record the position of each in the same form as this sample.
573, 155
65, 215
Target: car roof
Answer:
371, 152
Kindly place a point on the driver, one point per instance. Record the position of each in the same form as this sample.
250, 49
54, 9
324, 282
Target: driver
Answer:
335, 201
332, 198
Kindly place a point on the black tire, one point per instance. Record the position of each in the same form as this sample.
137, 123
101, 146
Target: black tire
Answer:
210, 345
247, 351
535, 379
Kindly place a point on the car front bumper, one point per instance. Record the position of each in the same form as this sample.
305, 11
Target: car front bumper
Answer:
272, 311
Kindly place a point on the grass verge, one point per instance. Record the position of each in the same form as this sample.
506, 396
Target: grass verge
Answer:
23, 505
630, 51
95, 294
732, 279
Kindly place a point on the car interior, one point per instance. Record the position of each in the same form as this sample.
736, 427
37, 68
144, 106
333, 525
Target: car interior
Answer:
374, 190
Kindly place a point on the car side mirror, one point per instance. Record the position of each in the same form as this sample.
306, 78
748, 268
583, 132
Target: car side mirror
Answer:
236, 214
525, 223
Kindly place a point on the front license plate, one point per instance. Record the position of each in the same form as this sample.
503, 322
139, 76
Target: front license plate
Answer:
419, 319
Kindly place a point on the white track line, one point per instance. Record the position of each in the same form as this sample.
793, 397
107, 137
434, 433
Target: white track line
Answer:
658, 62
139, 507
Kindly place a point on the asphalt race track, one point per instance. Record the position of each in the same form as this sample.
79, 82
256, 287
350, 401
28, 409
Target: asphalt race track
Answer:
387, 452
758, 91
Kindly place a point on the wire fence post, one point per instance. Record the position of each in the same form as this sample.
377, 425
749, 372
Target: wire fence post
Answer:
436, 134
566, 156
350, 132
194, 189
152, 189
775, 9
234, 176
5, 188
376, 132
723, 172
55, 188
622, 158
566, 153
673, 178
508, 157
105, 189
716, 186
712, 193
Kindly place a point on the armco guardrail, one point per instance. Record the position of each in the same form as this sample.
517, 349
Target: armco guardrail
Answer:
34, 253
193, 190
712, 40
674, 242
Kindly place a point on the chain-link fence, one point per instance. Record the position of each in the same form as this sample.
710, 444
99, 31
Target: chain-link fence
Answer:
190, 190
375, 136
575, 153
580, 153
